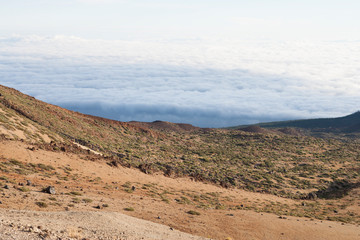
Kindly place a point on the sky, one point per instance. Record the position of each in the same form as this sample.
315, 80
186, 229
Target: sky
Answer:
205, 62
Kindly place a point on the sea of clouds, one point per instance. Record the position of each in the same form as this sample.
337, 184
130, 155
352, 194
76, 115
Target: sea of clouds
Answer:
208, 83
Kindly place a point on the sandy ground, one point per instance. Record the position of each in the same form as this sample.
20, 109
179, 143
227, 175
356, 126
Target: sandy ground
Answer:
80, 225
68, 215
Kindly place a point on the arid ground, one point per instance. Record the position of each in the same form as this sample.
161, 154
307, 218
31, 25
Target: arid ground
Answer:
91, 198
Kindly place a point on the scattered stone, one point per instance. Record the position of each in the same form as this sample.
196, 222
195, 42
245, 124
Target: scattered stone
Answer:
158, 217
50, 190
312, 196
28, 183
7, 187
133, 188
171, 229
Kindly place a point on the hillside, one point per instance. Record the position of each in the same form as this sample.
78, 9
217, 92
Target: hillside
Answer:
257, 170
91, 198
347, 124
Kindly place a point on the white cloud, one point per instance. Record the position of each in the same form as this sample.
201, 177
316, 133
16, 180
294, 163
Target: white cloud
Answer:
207, 83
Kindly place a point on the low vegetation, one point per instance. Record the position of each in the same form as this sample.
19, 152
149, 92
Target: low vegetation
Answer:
295, 166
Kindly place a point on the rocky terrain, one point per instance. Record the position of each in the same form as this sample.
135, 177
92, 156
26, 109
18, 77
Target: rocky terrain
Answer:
114, 180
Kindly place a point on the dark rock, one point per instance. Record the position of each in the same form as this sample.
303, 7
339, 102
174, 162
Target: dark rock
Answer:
50, 190
113, 163
133, 188
28, 183
312, 196
7, 187
146, 168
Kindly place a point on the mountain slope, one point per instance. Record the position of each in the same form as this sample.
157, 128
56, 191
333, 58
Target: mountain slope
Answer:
288, 165
346, 124
252, 160
85, 129
208, 182
91, 197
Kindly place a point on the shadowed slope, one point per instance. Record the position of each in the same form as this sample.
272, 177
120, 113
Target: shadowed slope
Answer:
346, 124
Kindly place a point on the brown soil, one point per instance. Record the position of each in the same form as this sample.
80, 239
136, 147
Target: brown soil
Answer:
93, 195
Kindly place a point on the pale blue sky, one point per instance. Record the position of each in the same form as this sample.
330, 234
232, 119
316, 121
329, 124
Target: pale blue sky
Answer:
124, 19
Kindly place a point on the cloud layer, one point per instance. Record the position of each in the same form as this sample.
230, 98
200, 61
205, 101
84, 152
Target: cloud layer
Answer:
206, 83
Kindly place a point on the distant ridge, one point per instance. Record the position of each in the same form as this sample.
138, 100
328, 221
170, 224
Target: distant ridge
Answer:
346, 124
166, 126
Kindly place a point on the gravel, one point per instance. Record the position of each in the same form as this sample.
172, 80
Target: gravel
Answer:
82, 225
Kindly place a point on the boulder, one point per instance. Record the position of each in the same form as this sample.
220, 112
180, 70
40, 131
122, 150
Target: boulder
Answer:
50, 190
312, 196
